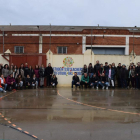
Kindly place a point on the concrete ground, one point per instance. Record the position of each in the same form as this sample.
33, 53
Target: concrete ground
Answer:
66, 114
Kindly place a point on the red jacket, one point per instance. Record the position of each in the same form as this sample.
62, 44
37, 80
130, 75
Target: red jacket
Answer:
4, 82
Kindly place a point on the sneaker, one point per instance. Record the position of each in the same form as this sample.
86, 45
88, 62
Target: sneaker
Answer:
96, 87
93, 87
106, 87
4, 91
103, 87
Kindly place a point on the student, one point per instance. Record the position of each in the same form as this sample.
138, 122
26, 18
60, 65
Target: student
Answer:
138, 76
3, 83
90, 70
54, 81
21, 70
103, 81
19, 81
15, 71
84, 80
36, 71
110, 75
123, 76
1, 67
94, 81
106, 67
41, 75
30, 72
133, 76
26, 70
28, 81
97, 67
84, 69
101, 70
34, 81
11, 70
129, 76
75, 80
11, 82
48, 73
5, 71
115, 69
118, 75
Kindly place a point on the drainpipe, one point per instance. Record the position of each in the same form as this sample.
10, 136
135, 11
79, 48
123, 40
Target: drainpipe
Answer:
3, 42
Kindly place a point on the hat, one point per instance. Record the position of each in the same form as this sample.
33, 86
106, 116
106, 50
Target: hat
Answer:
123, 65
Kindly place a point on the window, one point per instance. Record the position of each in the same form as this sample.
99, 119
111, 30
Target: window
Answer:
19, 49
62, 50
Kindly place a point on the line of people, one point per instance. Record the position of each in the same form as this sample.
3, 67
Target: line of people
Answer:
13, 78
107, 75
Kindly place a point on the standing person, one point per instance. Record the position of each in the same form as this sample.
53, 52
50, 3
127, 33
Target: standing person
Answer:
101, 70
138, 76
41, 75
36, 71
1, 67
30, 72
106, 67
110, 74
90, 70
97, 67
75, 80
48, 73
123, 76
15, 71
129, 76
115, 69
54, 81
21, 70
103, 82
94, 81
3, 82
11, 82
84, 69
26, 70
84, 80
133, 77
5, 71
118, 75
11, 69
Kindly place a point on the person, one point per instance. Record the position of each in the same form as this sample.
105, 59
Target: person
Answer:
15, 71
21, 70
36, 71
138, 76
3, 83
84, 69
84, 80
1, 67
11, 70
110, 75
123, 76
115, 69
11, 84
41, 75
106, 67
133, 77
34, 81
30, 72
129, 76
118, 75
75, 80
48, 73
103, 82
19, 81
26, 70
5, 71
28, 81
97, 67
90, 70
54, 81
94, 81
101, 70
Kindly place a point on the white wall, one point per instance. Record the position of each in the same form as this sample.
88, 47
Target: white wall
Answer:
3, 60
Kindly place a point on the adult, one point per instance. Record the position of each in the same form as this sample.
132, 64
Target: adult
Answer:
97, 67
118, 75
75, 80
84, 80
103, 82
19, 81
5, 71
30, 71
11, 83
26, 70
3, 83
138, 76
133, 77
54, 81
123, 76
94, 81
41, 75
84, 69
90, 70
48, 74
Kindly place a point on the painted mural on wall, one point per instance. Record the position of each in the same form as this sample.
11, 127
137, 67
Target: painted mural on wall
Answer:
67, 68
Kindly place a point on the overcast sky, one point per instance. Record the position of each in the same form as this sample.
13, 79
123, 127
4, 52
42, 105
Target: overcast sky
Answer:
70, 12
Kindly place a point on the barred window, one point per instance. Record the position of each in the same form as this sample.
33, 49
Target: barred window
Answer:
62, 50
19, 49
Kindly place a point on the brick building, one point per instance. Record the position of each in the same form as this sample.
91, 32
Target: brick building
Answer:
69, 39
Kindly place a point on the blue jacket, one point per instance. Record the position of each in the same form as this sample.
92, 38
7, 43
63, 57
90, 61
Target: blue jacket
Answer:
112, 73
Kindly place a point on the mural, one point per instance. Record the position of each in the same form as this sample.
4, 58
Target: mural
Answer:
68, 62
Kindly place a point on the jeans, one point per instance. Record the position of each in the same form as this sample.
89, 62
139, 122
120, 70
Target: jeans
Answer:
74, 83
94, 84
35, 84
103, 84
20, 84
83, 83
123, 82
5, 86
1, 89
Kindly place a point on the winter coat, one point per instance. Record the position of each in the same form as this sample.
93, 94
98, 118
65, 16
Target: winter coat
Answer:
106, 68
90, 70
15, 73
21, 71
85, 79
54, 80
41, 72
96, 68
34, 80
123, 73
100, 71
133, 72
28, 80
112, 73
103, 78
36, 71
138, 71
5, 72
9, 80
84, 71
75, 79
93, 79
31, 72
118, 71
26, 71
48, 71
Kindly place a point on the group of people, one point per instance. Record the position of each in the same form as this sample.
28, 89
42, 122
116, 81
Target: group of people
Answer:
107, 75
13, 78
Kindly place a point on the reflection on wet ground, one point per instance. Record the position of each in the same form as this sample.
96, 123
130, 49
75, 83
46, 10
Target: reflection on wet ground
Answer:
47, 115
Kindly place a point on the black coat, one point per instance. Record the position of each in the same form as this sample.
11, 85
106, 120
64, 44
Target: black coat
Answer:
138, 71
54, 80
123, 73
31, 72
103, 78
34, 80
90, 70
118, 71
75, 79
26, 71
106, 68
41, 72
48, 71
96, 68
93, 79
28, 80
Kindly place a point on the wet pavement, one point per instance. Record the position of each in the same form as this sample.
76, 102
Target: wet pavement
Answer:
66, 114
